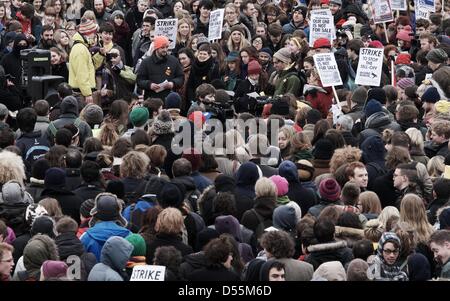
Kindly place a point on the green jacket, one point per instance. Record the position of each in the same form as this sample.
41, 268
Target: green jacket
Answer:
287, 82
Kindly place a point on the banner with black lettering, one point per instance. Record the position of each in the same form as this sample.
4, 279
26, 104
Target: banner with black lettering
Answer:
148, 273
398, 5
381, 11
167, 28
215, 24
328, 70
321, 26
370, 66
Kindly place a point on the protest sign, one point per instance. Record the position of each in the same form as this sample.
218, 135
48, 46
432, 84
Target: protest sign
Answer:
421, 10
398, 5
215, 25
321, 26
369, 67
381, 11
148, 273
167, 28
328, 70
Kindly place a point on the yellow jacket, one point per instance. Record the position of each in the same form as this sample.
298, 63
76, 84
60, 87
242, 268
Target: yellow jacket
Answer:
81, 67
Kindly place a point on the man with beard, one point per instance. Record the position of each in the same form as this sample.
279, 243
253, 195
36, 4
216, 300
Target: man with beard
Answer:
160, 73
46, 41
100, 12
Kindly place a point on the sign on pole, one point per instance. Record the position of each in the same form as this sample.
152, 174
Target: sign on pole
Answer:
429, 5
421, 10
398, 5
321, 25
167, 28
148, 273
381, 11
215, 24
369, 67
328, 70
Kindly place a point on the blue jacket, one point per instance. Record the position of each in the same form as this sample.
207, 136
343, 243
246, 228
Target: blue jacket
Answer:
290, 28
94, 238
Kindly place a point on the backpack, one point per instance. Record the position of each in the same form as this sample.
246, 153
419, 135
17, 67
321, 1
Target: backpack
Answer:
262, 224
35, 152
132, 196
135, 212
53, 128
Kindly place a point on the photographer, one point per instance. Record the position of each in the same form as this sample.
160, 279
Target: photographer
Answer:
117, 79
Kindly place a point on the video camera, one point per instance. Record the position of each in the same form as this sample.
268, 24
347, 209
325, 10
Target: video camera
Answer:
221, 110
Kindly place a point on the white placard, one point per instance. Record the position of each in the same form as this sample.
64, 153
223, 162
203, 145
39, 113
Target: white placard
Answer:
167, 28
398, 5
215, 24
148, 273
421, 10
381, 11
429, 5
321, 26
328, 70
370, 66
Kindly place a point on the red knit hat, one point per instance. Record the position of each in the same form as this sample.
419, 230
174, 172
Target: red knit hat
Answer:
329, 189
160, 41
376, 44
253, 68
403, 59
87, 27
322, 43
404, 35
324, 2
197, 118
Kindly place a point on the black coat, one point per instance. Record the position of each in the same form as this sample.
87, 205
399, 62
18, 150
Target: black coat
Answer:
11, 97
193, 262
89, 191
61, 70
73, 178
70, 203
214, 274
35, 190
304, 197
201, 72
163, 240
383, 186
19, 245
264, 206
334, 251
433, 207
12, 65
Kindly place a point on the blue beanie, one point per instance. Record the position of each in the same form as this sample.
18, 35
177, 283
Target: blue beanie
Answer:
55, 177
173, 101
431, 95
372, 107
267, 50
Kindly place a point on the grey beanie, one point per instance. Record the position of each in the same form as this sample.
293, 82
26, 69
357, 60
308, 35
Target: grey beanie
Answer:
93, 114
359, 96
437, 56
284, 55
117, 13
338, 2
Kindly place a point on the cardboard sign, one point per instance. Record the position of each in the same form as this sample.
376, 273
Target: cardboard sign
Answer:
381, 11
328, 70
398, 5
148, 273
215, 24
421, 10
429, 5
167, 28
321, 26
369, 67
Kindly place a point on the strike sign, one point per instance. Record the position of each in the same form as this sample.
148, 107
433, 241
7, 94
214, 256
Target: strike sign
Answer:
369, 67
148, 273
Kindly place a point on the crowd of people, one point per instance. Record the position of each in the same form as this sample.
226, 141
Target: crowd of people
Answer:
224, 160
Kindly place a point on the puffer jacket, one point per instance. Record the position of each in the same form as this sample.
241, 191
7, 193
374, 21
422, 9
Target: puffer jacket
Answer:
114, 258
81, 67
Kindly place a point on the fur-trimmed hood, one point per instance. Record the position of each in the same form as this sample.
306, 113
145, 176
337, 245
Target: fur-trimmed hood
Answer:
327, 246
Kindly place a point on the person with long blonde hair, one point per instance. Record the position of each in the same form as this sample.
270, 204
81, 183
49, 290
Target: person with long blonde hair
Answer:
369, 204
237, 41
184, 34
412, 211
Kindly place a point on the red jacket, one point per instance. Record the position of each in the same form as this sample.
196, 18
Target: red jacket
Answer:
320, 98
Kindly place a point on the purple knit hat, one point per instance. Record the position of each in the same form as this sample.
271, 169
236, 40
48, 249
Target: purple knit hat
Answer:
405, 83
330, 190
54, 269
281, 184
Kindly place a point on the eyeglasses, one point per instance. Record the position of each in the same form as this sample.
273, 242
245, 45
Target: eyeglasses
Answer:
257, 42
389, 252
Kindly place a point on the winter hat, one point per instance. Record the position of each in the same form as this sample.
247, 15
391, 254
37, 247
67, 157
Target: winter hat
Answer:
173, 101
93, 114
34, 211
418, 267
139, 116
205, 236
325, 2
202, 40
444, 219
288, 171
163, 123
154, 185
373, 149
9, 37
267, 50
39, 168
230, 225
281, 184
442, 106
224, 183
54, 269
297, 210
116, 187
284, 55
107, 207
232, 56
39, 249
86, 207
14, 194
338, 2
357, 270
237, 27
138, 242
403, 59
376, 44
87, 27
359, 96
160, 41
55, 177
431, 95
331, 271
170, 196
284, 218
117, 13
43, 225
323, 149
377, 94
301, 8
253, 68
280, 108
197, 118
405, 83
322, 43
305, 170
404, 34
3, 110
329, 189
437, 56
69, 104
372, 107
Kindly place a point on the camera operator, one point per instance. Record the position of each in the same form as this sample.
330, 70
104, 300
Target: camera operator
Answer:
256, 81
117, 79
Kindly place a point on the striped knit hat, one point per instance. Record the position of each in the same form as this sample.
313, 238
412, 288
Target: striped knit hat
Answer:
87, 27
